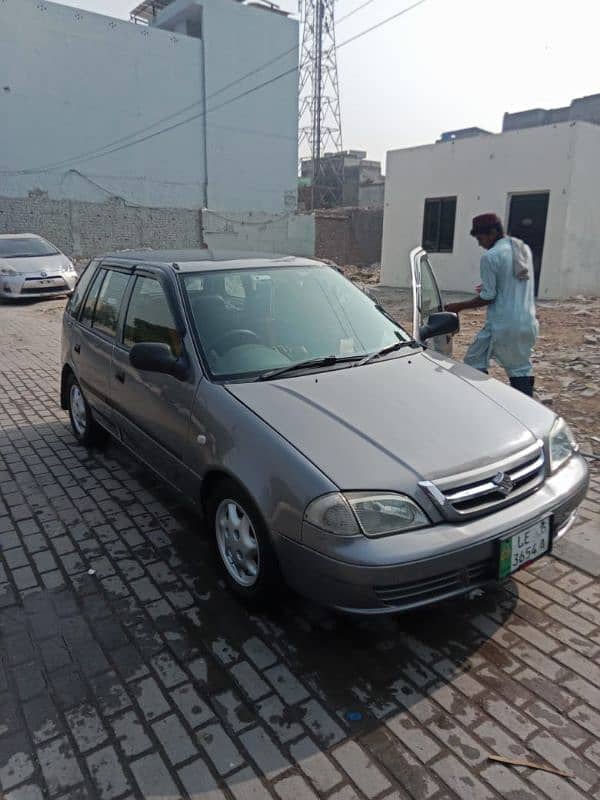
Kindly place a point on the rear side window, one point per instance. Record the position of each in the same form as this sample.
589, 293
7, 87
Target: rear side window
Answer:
90, 301
76, 299
109, 301
149, 318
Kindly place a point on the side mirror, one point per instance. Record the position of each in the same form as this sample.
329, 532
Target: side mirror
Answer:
439, 324
157, 357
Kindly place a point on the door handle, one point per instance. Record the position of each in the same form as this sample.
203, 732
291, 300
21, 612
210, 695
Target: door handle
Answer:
120, 376
77, 348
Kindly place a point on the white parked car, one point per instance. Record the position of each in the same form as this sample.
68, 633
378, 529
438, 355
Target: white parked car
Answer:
32, 267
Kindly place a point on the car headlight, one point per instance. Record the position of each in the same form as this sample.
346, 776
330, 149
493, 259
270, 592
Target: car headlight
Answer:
562, 444
8, 271
370, 513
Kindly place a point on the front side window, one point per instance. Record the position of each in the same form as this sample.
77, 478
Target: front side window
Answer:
109, 301
283, 316
149, 317
430, 300
76, 299
90, 301
439, 221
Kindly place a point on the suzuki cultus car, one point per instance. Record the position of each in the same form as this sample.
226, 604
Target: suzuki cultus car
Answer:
329, 447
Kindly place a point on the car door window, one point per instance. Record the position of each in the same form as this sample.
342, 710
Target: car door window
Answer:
149, 318
90, 301
109, 301
84, 280
430, 301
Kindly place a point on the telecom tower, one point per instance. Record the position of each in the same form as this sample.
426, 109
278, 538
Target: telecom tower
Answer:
320, 124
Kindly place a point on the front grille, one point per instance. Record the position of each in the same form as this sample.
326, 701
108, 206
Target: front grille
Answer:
481, 493
429, 590
43, 289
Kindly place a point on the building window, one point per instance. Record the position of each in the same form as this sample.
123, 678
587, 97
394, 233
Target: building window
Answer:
438, 224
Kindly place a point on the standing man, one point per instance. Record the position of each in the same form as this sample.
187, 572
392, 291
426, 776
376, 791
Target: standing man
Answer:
506, 288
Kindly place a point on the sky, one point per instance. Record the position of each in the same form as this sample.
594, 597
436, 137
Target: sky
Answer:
450, 64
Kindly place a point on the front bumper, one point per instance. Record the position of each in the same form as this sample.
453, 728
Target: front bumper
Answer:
398, 573
23, 287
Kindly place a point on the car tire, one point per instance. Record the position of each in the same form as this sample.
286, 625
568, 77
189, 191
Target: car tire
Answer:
85, 428
243, 545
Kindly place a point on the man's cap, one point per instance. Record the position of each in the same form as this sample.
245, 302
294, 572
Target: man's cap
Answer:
483, 222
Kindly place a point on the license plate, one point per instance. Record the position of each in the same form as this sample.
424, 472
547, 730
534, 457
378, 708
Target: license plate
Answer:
523, 547
35, 284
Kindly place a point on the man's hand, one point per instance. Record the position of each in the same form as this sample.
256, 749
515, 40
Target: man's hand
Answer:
474, 302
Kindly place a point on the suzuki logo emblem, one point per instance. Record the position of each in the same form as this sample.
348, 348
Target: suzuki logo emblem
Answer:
504, 483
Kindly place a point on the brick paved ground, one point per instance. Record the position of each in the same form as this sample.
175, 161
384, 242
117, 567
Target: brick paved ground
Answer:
145, 679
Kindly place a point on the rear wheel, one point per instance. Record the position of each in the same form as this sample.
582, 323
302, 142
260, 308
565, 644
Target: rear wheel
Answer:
244, 548
86, 430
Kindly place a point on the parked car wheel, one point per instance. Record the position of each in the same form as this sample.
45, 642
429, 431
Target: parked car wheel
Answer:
245, 551
86, 430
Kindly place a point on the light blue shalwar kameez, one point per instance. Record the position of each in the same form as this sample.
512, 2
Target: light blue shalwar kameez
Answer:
511, 329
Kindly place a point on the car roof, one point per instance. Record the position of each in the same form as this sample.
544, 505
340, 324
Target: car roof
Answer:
206, 260
20, 236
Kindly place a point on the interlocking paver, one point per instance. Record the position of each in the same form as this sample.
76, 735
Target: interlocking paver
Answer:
16, 764
130, 734
59, 765
264, 752
153, 778
245, 785
27, 792
220, 749
199, 782
361, 768
315, 765
86, 727
175, 740
42, 718
294, 788
145, 678
249, 680
107, 774
283, 723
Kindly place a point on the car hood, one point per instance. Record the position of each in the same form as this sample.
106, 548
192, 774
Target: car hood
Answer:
36, 264
409, 418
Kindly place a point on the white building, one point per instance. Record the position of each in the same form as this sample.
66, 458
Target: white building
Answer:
542, 181
76, 88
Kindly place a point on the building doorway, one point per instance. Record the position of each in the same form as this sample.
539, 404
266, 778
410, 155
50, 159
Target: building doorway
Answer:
527, 221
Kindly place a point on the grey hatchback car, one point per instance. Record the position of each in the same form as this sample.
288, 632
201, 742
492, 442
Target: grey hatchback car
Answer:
327, 446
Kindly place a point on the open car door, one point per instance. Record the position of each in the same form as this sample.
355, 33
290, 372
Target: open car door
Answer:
427, 299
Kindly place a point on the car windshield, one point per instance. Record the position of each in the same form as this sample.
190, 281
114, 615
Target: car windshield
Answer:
250, 322
25, 247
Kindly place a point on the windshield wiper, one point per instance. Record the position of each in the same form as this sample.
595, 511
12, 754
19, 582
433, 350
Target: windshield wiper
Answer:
326, 361
385, 350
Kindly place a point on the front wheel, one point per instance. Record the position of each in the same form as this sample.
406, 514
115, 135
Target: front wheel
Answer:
244, 548
86, 430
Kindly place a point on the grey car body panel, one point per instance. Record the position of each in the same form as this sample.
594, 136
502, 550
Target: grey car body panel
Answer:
535, 416
280, 480
394, 413
387, 425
